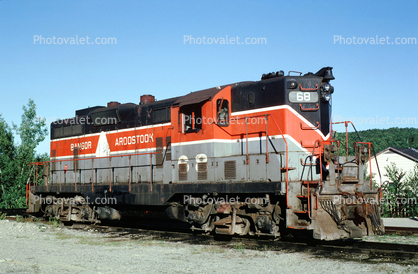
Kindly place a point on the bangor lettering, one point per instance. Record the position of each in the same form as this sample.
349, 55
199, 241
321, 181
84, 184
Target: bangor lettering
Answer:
81, 146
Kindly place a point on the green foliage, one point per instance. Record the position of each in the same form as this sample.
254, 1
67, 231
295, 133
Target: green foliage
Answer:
381, 138
55, 222
7, 164
15, 158
400, 194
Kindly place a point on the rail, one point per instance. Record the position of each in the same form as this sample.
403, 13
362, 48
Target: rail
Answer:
266, 133
75, 160
370, 147
346, 132
287, 161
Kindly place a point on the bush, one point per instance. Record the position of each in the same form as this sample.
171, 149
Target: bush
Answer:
400, 193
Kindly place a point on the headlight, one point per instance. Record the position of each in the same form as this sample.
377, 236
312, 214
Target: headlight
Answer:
292, 84
325, 96
327, 88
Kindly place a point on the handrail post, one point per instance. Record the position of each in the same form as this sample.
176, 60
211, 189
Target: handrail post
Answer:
346, 139
28, 182
36, 177
110, 175
370, 164
150, 164
246, 139
60, 174
321, 150
309, 203
129, 178
92, 175
267, 144
287, 162
75, 175
27, 194
47, 179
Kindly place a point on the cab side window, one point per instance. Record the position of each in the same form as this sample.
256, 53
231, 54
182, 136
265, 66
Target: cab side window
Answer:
222, 110
191, 118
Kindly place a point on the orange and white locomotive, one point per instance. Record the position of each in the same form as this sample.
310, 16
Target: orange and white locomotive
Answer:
250, 158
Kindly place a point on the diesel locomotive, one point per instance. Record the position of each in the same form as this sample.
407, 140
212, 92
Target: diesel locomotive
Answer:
249, 158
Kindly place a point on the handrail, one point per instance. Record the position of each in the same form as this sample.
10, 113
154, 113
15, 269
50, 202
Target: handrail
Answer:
346, 132
311, 89
92, 159
287, 147
287, 162
308, 127
89, 158
308, 109
370, 145
305, 164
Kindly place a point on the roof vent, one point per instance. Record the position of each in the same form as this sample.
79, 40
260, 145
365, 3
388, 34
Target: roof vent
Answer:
113, 103
146, 99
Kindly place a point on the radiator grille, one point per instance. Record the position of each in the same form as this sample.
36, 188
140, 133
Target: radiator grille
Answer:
182, 172
230, 171
202, 171
160, 155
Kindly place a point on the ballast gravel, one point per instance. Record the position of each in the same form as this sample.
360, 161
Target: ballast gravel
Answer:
41, 248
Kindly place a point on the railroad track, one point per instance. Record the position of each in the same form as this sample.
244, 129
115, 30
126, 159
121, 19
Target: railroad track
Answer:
350, 250
353, 250
14, 212
404, 231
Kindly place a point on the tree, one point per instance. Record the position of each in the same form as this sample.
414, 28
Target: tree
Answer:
400, 193
15, 159
381, 138
7, 154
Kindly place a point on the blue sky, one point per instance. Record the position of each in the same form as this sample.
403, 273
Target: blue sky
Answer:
151, 57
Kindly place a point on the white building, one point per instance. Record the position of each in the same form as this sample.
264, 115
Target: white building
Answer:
404, 158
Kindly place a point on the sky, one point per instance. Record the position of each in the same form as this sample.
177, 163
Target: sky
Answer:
156, 47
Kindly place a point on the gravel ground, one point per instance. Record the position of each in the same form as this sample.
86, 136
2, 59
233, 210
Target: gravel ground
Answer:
40, 248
